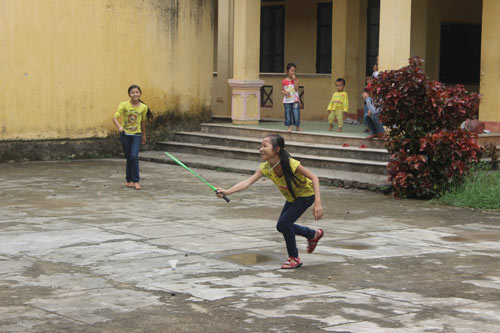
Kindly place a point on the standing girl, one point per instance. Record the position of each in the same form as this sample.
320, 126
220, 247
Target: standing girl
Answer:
299, 186
133, 113
291, 99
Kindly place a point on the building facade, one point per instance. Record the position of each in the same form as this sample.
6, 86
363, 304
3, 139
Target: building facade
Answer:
255, 39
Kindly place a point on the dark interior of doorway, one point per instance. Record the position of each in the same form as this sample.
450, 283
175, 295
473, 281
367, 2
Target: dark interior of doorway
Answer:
372, 34
460, 54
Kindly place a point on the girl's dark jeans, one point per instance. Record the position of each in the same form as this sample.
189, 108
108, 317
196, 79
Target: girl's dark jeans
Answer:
292, 114
286, 223
131, 145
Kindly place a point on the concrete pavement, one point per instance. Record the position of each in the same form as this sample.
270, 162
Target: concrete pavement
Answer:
79, 252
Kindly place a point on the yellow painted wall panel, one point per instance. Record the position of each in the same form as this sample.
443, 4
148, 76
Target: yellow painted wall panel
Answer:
300, 48
489, 110
67, 64
318, 91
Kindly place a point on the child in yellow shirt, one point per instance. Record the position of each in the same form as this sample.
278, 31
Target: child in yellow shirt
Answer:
133, 114
338, 105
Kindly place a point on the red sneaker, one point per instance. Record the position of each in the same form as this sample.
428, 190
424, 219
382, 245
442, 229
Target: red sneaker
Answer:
292, 263
311, 243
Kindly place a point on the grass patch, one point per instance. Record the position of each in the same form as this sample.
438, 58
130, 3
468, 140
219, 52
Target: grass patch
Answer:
480, 189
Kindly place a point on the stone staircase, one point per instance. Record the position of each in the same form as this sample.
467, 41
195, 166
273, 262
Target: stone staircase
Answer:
315, 150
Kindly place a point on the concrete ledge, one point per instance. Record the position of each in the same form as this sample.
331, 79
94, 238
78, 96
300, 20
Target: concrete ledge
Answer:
489, 137
45, 150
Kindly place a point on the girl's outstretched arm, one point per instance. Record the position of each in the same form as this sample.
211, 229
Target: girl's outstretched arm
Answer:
243, 185
318, 208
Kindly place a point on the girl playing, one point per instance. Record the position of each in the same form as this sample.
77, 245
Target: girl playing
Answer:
291, 99
300, 188
133, 113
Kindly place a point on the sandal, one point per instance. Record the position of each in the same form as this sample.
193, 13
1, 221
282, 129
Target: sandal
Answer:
311, 243
291, 263
137, 186
130, 184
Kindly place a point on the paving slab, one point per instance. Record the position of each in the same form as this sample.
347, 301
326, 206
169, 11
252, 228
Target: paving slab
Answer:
80, 252
31, 319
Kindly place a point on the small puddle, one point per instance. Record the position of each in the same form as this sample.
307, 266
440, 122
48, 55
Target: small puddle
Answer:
474, 237
456, 239
353, 246
248, 259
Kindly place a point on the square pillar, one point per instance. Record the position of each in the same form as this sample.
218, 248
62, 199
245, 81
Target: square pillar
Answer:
403, 32
489, 109
245, 85
346, 34
221, 102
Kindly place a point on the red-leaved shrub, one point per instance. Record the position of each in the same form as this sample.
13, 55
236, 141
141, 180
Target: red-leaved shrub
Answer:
428, 150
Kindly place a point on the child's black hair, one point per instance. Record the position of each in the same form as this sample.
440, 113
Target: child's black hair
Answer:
290, 65
149, 114
341, 80
278, 141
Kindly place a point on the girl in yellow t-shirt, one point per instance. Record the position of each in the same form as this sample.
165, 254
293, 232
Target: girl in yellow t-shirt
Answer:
133, 114
299, 186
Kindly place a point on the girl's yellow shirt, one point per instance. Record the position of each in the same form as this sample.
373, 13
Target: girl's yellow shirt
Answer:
304, 187
132, 116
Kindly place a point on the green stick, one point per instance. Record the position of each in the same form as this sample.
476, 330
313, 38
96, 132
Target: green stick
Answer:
194, 173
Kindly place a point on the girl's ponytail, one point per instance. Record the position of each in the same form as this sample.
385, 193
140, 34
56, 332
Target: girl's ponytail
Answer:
278, 141
149, 114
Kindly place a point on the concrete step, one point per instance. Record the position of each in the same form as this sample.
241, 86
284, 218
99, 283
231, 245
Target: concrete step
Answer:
294, 147
337, 163
347, 179
320, 138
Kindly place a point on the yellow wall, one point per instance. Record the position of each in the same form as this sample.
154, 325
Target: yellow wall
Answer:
489, 110
300, 48
348, 55
300, 32
317, 93
67, 64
